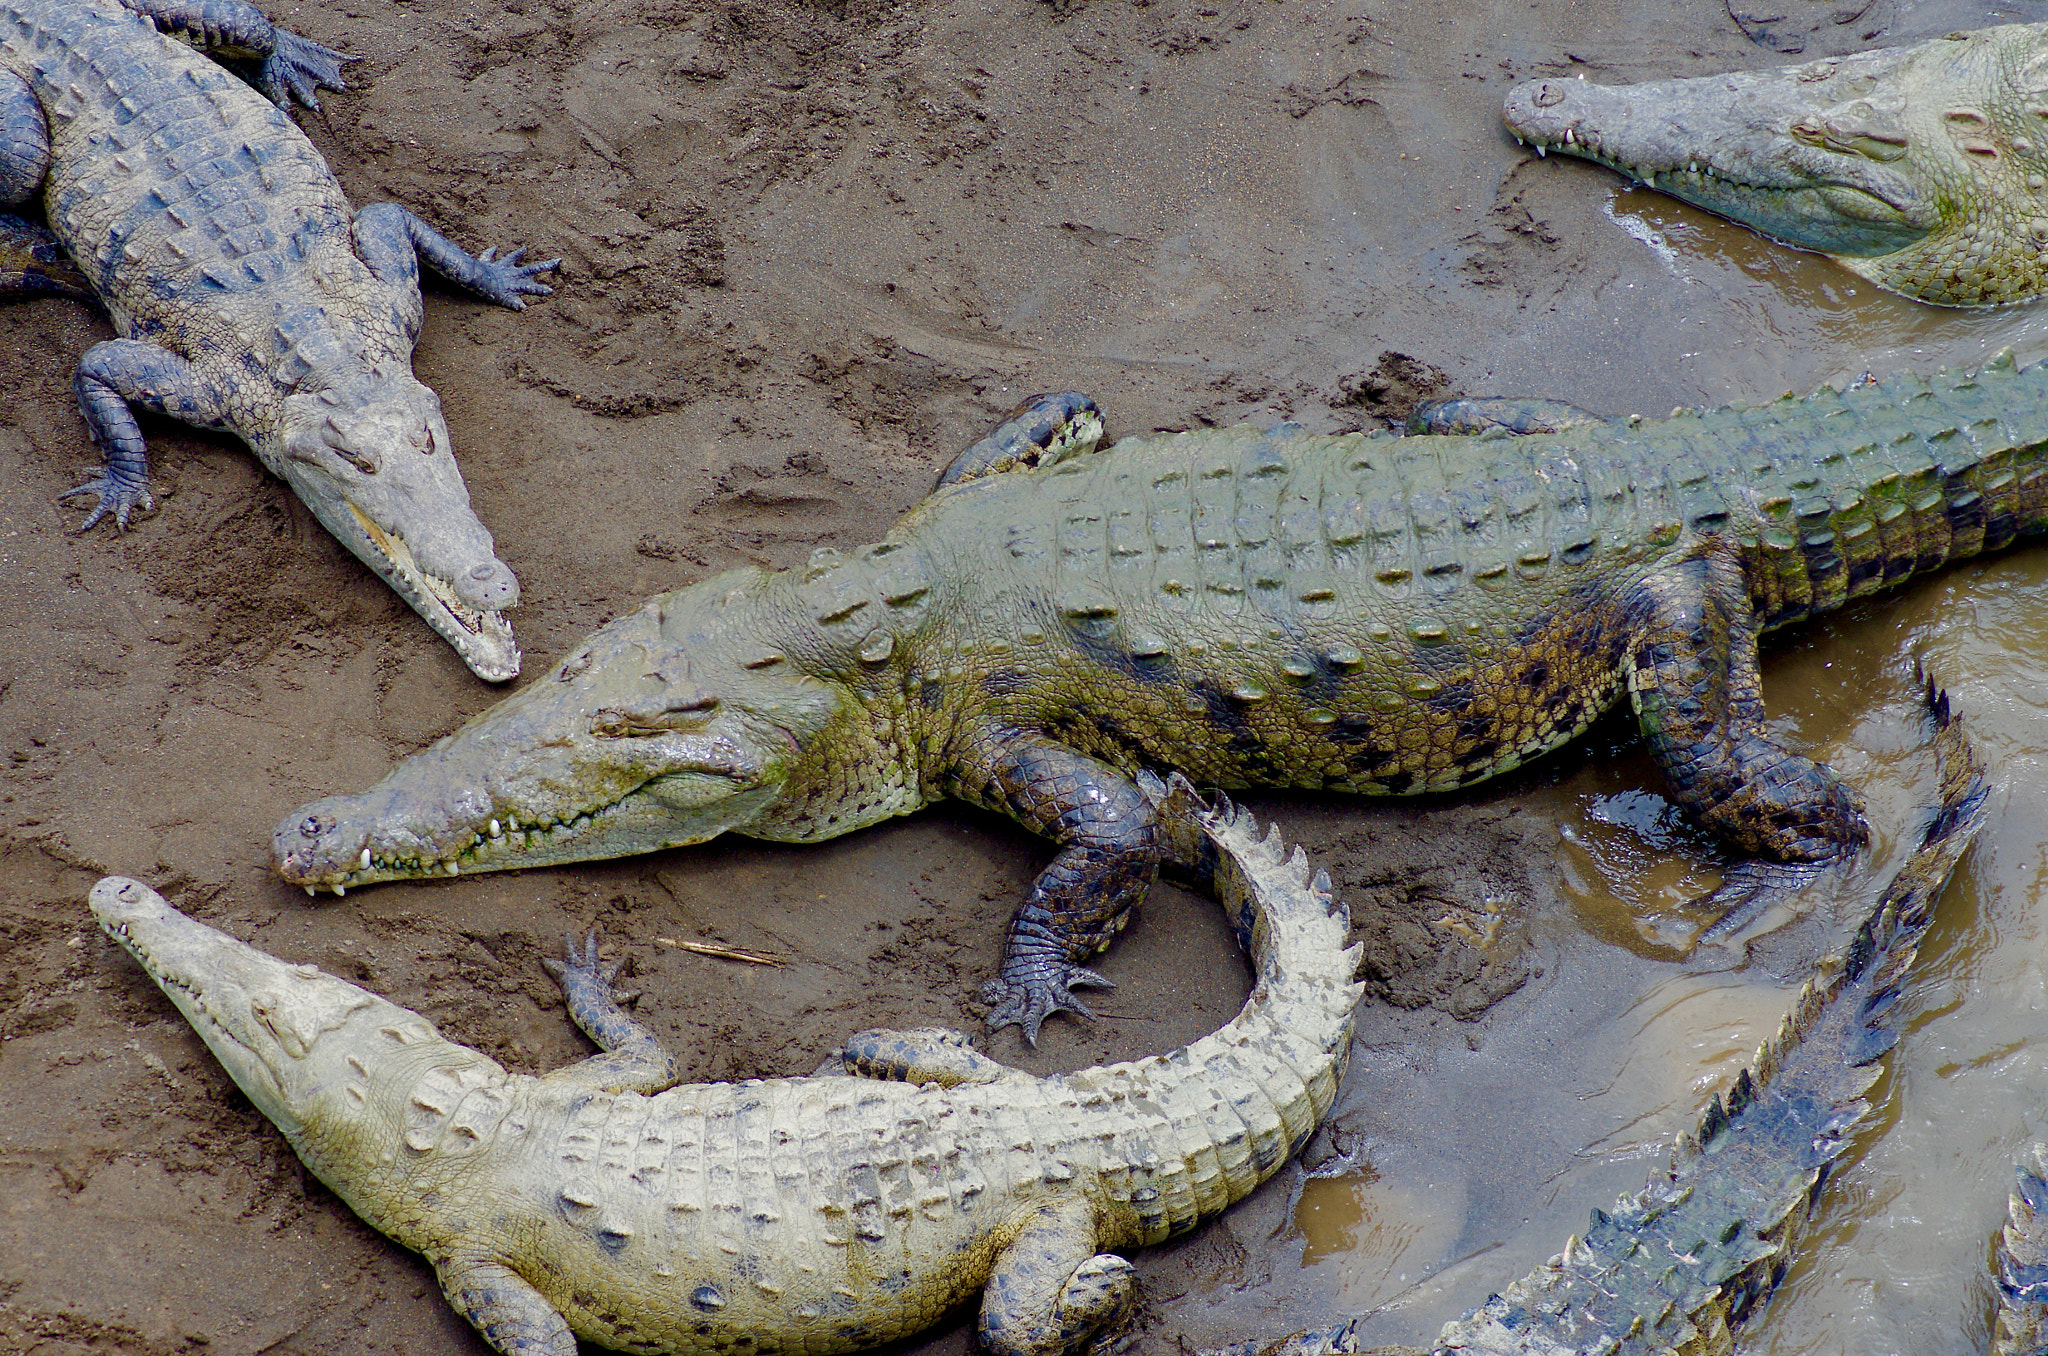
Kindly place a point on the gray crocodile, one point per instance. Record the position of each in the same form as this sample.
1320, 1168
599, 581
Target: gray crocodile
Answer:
1254, 608
818, 1214
1698, 1253
248, 296
1924, 169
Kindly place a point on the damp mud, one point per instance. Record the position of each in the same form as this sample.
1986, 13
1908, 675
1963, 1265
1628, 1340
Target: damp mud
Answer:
812, 250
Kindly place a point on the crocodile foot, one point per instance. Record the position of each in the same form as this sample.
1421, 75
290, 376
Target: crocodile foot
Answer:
502, 278
116, 496
1035, 992
586, 972
296, 67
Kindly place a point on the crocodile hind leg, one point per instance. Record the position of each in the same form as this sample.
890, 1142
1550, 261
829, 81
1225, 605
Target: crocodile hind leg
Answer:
393, 242
111, 376
1109, 855
1052, 1293
293, 67
633, 1059
1694, 682
1044, 431
512, 1316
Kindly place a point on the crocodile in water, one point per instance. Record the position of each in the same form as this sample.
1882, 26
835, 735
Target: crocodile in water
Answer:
248, 296
1252, 608
1699, 1251
815, 1214
1921, 168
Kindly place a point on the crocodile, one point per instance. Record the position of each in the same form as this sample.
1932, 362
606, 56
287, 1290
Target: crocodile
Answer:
1923, 169
1679, 1267
822, 1214
249, 297
1254, 608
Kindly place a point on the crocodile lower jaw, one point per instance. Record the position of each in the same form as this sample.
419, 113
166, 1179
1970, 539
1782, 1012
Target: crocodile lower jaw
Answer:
483, 638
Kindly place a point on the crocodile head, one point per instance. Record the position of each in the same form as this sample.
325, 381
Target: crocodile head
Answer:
669, 726
372, 458
268, 1022
1920, 168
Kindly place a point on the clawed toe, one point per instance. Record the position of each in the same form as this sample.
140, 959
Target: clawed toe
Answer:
1027, 1000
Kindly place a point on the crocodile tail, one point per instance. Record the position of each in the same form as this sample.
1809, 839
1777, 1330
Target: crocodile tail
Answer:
1240, 1101
1906, 474
1679, 1266
2021, 1325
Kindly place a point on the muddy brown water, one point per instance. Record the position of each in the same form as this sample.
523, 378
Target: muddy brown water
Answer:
812, 250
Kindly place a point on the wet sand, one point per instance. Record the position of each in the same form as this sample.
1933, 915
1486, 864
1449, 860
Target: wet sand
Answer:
811, 252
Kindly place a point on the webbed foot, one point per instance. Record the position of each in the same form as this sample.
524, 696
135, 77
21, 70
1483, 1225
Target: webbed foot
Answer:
116, 496
1026, 998
502, 278
296, 67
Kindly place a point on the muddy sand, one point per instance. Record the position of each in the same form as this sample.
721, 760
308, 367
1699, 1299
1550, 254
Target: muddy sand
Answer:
811, 251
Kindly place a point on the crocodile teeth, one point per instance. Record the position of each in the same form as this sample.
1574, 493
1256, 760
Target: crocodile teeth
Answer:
1569, 139
340, 889
363, 862
311, 893
453, 869
496, 831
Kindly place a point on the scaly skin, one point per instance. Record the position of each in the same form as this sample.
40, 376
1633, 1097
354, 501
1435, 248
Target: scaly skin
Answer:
1675, 1270
817, 1214
1921, 168
1255, 609
2020, 1327
249, 296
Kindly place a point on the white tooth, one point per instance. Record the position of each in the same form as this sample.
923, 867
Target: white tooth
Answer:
496, 830
1569, 139
311, 893
1540, 152
453, 869
340, 889
363, 862
1692, 167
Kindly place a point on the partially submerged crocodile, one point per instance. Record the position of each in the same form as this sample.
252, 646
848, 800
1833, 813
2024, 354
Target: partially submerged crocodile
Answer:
1253, 608
1924, 169
817, 1214
1699, 1251
248, 296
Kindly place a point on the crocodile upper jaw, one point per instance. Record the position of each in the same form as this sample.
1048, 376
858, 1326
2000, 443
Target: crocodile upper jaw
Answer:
1751, 150
482, 636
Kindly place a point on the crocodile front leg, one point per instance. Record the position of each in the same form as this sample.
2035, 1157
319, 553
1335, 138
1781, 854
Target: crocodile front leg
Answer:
633, 1059
512, 1316
1693, 679
392, 242
110, 377
1052, 1294
1109, 855
293, 67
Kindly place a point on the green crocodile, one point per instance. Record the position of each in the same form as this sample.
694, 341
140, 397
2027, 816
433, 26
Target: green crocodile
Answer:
818, 1214
249, 297
1924, 169
1677, 1268
1254, 608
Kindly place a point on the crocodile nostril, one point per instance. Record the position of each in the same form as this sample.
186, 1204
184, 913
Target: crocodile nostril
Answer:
1549, 96
481, 572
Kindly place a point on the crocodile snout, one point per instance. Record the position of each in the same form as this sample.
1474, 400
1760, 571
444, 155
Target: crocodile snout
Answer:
1542, 111
312, 848
488, 586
